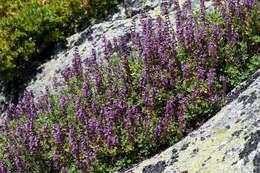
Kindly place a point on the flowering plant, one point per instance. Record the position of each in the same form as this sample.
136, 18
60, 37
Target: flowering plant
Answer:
136, 102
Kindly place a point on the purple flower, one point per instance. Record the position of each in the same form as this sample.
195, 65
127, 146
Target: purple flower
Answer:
213, 98
10, 111
216, 3
202, 12
4, 168
34, 143
165, 81
72, 140
180, 118
63, 105
76, 65
66, 73
18, 131
179, 95
186, 7
99, 82
44, 132
108, 48
210, 77
169, 108
124, 89
179, 21
223, 12
188, 32
193, 94
231, 7
54, 83
56, 159
185, 69
200, 72
115, 44
18, 162
57, 135
80, 111
64, 170
214, 44
147, 126
87, 91
122, 46
164, 10
51, 108
221, 78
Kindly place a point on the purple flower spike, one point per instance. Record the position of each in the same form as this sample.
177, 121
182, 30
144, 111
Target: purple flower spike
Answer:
73, 141
211, 74
76, 65
56, 159
57, 135
63, 105
4, 168
18, 162
216, 3
108, 48
221, 78
64, 170
185, 69
66, 73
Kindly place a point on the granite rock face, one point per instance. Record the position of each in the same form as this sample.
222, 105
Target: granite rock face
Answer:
229, 142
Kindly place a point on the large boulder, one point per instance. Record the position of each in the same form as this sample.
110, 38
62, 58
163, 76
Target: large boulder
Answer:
229, 142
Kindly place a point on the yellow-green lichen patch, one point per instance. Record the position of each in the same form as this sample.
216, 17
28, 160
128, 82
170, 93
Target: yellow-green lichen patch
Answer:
201, 163
181, 2
206, 149
154, 13
147, 3
68, 41
165, 157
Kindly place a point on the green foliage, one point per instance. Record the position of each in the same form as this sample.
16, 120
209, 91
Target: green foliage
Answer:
27, 28
24, 35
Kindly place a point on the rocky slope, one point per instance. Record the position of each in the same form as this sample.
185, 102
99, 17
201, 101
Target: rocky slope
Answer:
229, 142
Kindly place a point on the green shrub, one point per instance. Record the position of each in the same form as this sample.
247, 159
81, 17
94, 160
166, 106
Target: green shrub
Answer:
27, 28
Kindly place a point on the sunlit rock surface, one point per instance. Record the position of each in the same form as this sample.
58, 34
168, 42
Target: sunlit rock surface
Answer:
227, 143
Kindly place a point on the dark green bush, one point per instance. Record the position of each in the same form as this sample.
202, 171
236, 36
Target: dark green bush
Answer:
24, 35
27, 28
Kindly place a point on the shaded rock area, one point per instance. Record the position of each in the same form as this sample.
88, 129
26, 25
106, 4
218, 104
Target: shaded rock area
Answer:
229, 142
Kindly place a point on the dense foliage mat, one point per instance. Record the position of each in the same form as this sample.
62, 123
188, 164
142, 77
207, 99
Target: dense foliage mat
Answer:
116, 113
28, 27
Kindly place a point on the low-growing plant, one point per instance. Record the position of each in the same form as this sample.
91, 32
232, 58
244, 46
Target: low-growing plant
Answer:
28, 27
112, 114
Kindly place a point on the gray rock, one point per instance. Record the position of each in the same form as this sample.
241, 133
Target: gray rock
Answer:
229, 142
